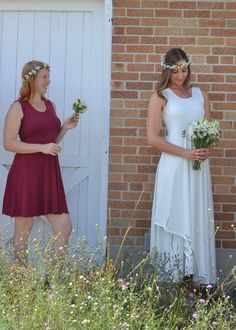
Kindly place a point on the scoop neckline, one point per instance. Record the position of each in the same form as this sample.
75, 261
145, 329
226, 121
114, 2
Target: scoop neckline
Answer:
37, 109
182, 98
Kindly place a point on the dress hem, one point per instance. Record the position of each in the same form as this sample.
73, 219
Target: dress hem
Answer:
34, 215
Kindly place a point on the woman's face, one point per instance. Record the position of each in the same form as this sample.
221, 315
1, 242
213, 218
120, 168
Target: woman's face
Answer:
178, 74
42, 81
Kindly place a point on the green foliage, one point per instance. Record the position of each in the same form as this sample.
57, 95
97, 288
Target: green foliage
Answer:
92, 296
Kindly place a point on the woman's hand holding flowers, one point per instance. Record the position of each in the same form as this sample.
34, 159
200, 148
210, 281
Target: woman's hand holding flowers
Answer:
200, 154
203, 134
71, 122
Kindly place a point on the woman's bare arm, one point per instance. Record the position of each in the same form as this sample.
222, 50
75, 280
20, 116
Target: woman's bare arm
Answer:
11, 131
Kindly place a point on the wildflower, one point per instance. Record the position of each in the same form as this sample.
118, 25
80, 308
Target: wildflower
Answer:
124, 287
202, 301
124, 325
85, 321
195, 315
209, 286
120, 281
191, 296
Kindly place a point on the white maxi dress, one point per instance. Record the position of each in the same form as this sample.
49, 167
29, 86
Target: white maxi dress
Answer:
182, 226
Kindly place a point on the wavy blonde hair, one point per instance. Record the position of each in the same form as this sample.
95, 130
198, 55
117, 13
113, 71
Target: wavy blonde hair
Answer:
28, 88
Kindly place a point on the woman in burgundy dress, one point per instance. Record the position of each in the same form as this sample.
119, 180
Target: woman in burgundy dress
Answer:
34, 184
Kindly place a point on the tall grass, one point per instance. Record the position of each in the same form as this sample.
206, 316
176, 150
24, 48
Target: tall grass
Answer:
93, 295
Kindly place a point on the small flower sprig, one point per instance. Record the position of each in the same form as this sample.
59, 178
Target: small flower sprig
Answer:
79, 106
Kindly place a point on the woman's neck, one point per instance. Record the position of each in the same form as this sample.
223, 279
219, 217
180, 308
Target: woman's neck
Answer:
178, 88
36, 99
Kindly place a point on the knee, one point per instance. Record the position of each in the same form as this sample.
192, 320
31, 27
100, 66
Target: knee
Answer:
66, 229
69, 229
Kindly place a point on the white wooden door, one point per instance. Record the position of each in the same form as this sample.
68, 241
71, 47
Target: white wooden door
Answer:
69, 35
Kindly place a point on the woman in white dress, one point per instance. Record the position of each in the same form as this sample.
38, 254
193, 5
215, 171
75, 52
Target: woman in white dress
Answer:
182, 230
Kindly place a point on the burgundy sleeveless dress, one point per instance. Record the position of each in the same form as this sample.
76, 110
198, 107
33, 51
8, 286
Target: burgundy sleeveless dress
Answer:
34, 185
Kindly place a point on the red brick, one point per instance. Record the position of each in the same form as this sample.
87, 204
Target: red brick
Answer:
139, 49
139, 44
229, 244
154, 40
139, 30
126, 4
224, 14
140, 12
124, 94
126, 21
118, 30
225, 234
140, 67
182, 40
154, 22
122, 57
137, 159
211, 23
210, 5
210, 41
212, 59
197, 13
125, 76
123, 150
153, 4
183, 5
226, 33
139, 85
123, 132
135, 122
125, 40
136, 186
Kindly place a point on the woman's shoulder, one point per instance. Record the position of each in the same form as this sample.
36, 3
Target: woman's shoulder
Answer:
199, 91
51, 104
15, 109
159, 97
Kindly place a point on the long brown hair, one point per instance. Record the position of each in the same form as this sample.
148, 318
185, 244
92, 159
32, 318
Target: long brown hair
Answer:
173, 56
27, 88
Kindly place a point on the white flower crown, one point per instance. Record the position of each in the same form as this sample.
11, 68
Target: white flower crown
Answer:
181, 64
34, 71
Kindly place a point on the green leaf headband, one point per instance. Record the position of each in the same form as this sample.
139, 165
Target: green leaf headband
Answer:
181, 64
34, 71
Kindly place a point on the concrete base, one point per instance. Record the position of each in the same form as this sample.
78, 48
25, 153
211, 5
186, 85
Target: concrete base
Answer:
130, 256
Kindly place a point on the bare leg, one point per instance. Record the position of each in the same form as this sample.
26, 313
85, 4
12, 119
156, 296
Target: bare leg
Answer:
23, 227
62, 228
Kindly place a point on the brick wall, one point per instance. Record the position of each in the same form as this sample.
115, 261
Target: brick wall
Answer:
142, 32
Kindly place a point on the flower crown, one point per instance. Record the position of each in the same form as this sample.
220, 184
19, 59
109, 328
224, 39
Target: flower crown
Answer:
34, 71
181, 64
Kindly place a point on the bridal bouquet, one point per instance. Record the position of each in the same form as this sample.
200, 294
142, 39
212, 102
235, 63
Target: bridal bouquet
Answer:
79, 106
203, 134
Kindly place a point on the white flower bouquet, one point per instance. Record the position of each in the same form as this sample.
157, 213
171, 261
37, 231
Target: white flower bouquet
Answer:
203, 134
79, 106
